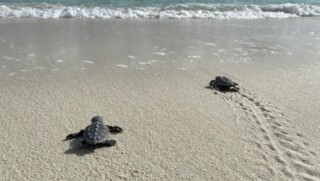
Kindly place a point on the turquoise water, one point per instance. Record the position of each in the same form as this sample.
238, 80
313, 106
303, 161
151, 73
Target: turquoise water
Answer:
158, 9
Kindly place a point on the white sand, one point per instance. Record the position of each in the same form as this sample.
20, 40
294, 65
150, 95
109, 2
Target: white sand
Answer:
174, 128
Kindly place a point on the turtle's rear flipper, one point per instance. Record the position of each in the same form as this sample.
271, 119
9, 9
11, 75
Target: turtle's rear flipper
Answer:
234, 88
115, 129
74, 135
107, 143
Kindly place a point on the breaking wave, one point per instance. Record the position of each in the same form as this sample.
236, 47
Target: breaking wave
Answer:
180, 11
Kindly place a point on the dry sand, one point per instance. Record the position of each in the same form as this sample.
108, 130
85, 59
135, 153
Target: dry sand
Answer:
149, 77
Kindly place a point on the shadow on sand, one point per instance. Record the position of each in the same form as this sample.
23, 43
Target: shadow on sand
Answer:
77, 148
220, 89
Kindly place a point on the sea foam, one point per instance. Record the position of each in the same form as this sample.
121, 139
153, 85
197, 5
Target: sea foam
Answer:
180, 11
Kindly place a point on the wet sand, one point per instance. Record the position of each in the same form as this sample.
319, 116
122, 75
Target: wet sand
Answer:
149, 77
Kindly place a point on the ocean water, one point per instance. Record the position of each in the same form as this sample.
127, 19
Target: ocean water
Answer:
159, 9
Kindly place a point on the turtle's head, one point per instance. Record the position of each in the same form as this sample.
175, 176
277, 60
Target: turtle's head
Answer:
212, 83
97, 119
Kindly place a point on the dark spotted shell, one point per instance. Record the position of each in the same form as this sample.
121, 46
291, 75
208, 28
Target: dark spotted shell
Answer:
224, 81
96, 133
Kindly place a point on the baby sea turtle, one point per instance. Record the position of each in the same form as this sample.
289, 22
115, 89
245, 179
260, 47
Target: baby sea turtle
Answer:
96, 134
224, 84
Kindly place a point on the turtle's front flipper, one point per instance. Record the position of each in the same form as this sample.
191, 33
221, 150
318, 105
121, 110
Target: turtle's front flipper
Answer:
114, 129
106, 143
74, 135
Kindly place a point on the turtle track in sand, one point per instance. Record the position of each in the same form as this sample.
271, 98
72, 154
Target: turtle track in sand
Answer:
274, 138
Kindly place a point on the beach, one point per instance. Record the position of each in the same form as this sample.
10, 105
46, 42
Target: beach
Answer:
149, 77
